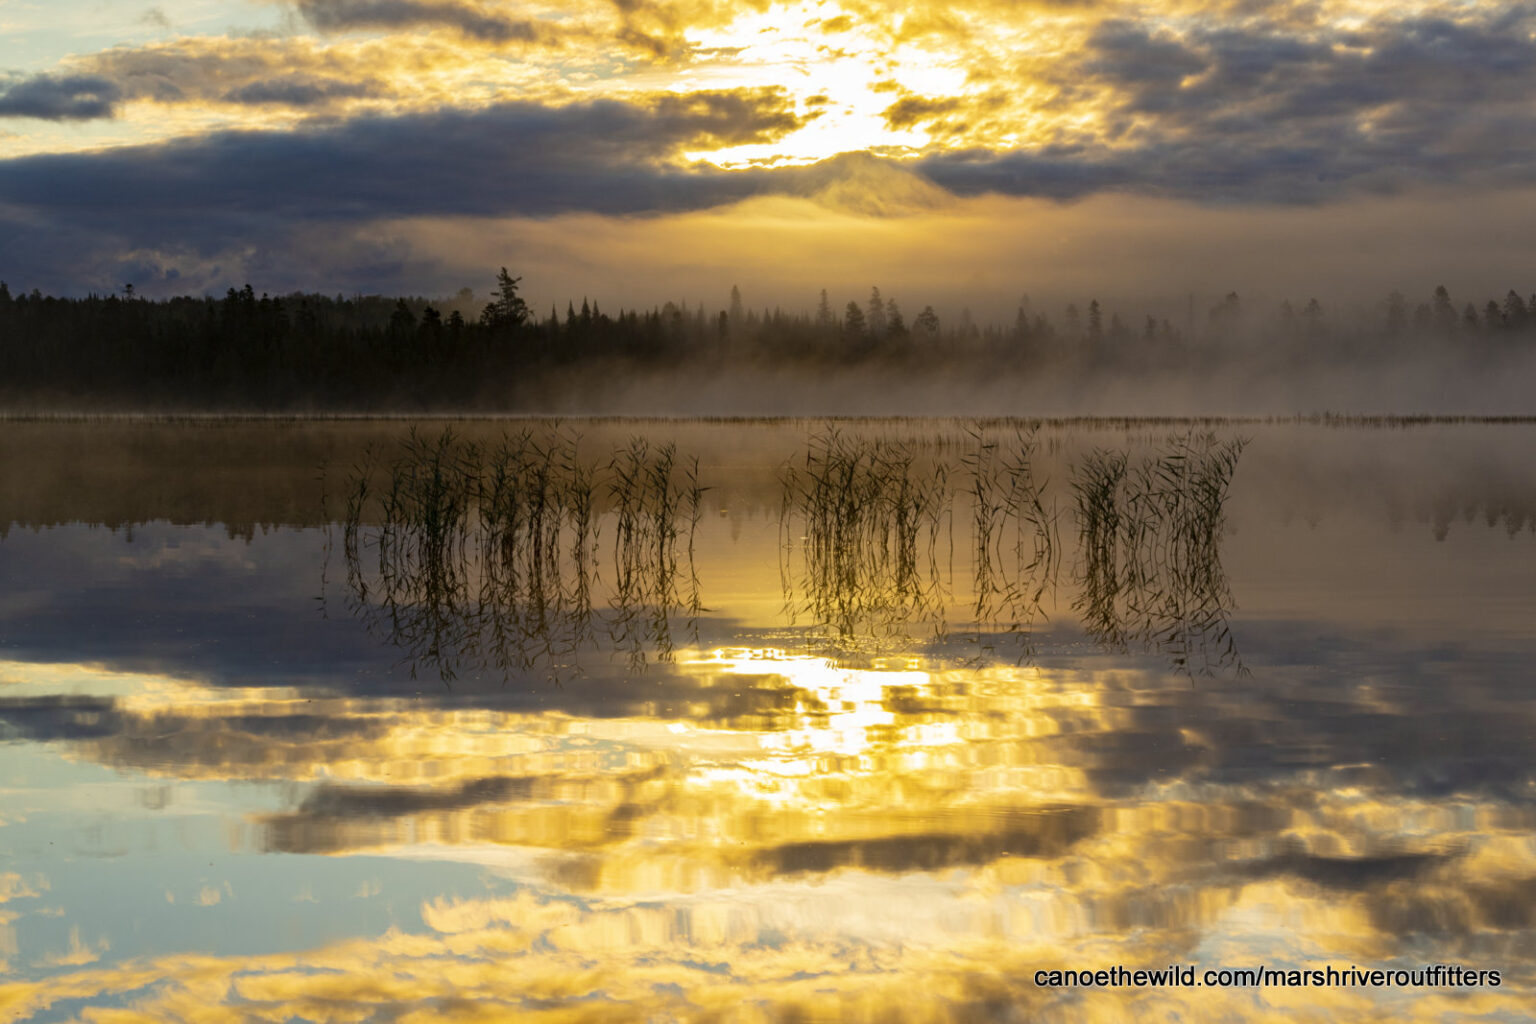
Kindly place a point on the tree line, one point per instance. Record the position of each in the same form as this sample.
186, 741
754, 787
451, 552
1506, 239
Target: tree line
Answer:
303, 351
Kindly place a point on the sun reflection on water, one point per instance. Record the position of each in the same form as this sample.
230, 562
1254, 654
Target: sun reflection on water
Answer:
778, 836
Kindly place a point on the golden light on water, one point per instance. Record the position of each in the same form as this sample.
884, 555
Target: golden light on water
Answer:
902, 840
889, 824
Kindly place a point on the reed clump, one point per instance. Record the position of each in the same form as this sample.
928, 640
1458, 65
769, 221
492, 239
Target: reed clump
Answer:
867, 516
1015, 538
488, 557
1149, 568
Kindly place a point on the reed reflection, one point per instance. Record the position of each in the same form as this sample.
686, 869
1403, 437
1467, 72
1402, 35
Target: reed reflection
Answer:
1149, 567
1016, 542
876, 526
487, 558
868, 517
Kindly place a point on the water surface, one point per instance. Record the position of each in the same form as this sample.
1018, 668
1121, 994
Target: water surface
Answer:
770, 721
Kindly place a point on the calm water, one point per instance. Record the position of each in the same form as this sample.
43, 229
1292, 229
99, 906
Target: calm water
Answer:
689, 721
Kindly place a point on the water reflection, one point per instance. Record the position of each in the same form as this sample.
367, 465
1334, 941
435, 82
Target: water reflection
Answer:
1150, 549
866, 516
905, 839
869, 518
215, 803
489, 558
486, 559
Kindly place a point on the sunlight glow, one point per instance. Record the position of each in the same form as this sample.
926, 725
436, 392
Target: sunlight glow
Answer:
843, 73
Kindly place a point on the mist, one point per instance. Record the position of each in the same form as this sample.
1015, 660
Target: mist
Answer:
1416, 386
1437, 354
1144, 254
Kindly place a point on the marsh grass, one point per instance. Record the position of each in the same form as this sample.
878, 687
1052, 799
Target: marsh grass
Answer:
868, 518
1149, 568
868, 547
487, 557
654, 495
517, 555
1015, 537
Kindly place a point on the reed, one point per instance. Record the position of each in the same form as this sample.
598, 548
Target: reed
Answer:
868, 517
1149, 531
488, 559
1016, 538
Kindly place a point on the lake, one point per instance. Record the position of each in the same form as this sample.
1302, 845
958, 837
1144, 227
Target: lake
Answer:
781, 720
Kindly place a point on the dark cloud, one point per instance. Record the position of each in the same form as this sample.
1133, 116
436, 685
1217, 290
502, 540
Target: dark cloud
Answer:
187, 205
468, 18
1044, 833
243, 72
1428, 64
1259, 114
911, 110
60, 98
246, 72
517, 158
301, 91
1149, 64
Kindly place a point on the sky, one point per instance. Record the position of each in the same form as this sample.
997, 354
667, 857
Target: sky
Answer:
964, 152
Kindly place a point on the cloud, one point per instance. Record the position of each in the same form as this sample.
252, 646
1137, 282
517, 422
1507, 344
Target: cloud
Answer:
1421, 64
301, 91
605, 156
294, 72
911, 110
1271, 111
60, 98
1254, 114
473, 20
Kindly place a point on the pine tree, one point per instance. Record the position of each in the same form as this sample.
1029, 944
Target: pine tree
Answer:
1313, 316
1074, 322
877, 319
1445, 313
1514, 311
1397, 314
927, 323
853, 321
824, 318
1493, 316
506, 308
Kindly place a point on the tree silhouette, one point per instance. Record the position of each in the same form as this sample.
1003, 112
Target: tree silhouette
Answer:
1514, 311
1397, 314
402, 320
824, 317
927, 323
877, 320
853, 321
368, 352
738, 313
1493, 316
1074, 322
506, 308
1313, 317
1445, 313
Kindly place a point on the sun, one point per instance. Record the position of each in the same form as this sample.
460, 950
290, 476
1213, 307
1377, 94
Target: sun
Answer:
841, 72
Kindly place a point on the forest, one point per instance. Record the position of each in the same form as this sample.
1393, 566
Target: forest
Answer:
305, 352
